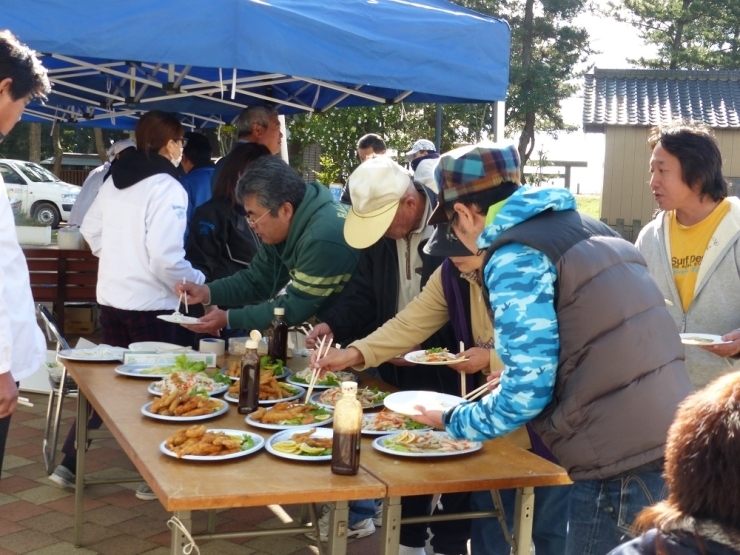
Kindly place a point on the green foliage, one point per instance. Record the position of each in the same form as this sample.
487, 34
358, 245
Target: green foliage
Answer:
589, 204
689, 34
24, 219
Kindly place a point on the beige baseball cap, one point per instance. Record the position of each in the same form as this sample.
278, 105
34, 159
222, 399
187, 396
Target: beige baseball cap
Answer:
376, 188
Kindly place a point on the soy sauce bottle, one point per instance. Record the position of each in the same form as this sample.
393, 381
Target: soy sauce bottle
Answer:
249, 382
278, 347
345, 452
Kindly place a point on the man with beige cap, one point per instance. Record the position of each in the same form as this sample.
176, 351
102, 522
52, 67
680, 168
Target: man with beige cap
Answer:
388, 222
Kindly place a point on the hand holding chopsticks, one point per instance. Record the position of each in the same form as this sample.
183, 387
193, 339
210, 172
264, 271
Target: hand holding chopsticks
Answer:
482, 390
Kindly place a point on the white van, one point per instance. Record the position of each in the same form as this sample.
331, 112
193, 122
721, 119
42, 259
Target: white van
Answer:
43, 195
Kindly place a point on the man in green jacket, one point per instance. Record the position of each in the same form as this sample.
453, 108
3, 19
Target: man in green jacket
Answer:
303, 250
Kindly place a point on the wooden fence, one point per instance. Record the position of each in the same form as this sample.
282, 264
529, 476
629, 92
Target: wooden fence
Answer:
75, 177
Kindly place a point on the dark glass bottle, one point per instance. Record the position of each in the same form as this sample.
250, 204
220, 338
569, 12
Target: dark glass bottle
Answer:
278, 347
249, 382
345, 451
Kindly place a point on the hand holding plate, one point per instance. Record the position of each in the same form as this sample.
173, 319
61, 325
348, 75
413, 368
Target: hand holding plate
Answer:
725, 350
429, 417
213, 322
477, 359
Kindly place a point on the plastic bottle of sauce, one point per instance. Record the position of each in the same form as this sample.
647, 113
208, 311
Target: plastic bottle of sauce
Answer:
345, 454
249, 382
278, 348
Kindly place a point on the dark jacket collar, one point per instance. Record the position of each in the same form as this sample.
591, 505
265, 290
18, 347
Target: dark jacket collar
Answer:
134, 166
416, 161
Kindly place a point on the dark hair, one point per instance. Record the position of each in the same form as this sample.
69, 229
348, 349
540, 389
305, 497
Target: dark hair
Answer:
698, 153
701, 460
155, 129
371, 140
198, 149
238, 159
20, 63
486, 198
253, 114
273, 182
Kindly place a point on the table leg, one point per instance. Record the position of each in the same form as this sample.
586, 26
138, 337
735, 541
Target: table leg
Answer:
523, 514
338, 524
82, 408
179, 541
391, 526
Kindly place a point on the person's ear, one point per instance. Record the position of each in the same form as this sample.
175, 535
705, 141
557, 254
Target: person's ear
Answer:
5, 85
286, 210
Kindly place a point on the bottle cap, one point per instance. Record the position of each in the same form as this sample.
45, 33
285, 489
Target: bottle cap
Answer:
255, 335
279, 311
349, 388
252, 344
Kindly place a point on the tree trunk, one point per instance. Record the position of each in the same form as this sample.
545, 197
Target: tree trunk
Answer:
58, 152
34, 142
677, 44
526, 139
99, 145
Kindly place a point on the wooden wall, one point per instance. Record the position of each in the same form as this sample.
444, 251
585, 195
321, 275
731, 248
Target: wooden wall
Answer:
626, 198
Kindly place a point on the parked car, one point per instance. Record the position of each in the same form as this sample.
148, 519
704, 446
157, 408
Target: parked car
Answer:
43, 195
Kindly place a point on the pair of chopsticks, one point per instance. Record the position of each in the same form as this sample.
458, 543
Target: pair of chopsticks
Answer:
463, 376
305, 330
315, 370
480, 391
23, 401
185, 295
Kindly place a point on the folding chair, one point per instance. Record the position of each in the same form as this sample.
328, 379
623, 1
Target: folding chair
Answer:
61, 386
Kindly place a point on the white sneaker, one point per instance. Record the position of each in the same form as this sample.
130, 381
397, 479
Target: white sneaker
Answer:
359, 530
63, 477
378, 516
406, 550
145, 493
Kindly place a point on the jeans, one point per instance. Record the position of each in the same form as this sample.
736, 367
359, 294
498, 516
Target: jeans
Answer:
549, 527
360, 510
601, 512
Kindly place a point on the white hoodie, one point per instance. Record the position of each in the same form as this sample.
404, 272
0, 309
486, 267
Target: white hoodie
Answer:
137, 234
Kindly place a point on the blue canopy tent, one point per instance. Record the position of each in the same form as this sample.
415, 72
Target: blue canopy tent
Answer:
111, 61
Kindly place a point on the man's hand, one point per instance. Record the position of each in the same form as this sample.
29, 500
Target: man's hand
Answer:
213, 322
478, 359
314, 338
429, 417
195, 293
337, 359
727, 349
8, 394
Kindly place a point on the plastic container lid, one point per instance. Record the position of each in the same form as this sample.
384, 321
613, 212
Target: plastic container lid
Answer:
252, 344
279, 311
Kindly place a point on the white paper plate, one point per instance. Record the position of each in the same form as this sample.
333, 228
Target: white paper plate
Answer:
235, 398
270, 426
156, 346
315, 399
258, 443
414, 355
179, 319
219, 412
95, 354
219, 389
403, 402
288, 434
702, 339
378, 443
369, 419
343, 376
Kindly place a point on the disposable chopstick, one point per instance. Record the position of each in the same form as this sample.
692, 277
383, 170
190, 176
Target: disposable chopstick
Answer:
184, 294
24, 402
463, 376
314, 371
481, 391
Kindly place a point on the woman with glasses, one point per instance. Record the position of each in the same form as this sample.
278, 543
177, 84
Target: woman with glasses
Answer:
135, 227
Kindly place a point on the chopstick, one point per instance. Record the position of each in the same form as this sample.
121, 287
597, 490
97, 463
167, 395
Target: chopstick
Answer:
184, 294
463, 376
480, 391
23, 401
315, 371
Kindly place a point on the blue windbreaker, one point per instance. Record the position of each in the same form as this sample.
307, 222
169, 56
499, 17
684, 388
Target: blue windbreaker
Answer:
521, 283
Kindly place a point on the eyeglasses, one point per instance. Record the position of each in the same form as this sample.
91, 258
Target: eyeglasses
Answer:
183, 141
451, 235
252, 222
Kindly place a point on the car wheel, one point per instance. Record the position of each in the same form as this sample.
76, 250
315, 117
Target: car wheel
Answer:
47, 214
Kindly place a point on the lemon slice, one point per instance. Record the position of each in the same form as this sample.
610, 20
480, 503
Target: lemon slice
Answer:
255, 335
305, 448
286, 446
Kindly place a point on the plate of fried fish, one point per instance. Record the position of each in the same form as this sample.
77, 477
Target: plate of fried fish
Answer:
197, 443
286, 415
183, 407
307, 444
